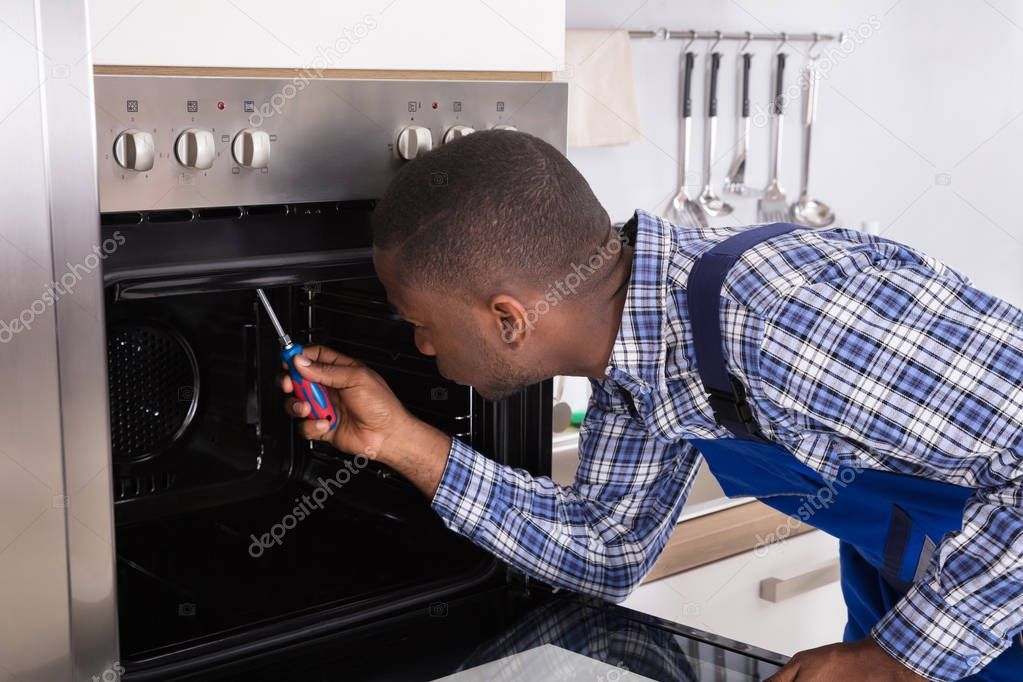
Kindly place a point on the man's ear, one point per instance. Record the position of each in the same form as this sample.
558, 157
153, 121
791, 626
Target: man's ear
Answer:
513, 322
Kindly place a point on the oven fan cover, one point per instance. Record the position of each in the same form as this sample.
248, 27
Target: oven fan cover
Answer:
154, 389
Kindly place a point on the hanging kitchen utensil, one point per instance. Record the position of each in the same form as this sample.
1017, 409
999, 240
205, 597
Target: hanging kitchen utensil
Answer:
771, 207
683, 210
809, 211
735, 183
710, 201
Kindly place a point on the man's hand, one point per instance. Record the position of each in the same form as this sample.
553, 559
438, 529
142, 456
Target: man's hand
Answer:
861, 660
368, 412
371, 421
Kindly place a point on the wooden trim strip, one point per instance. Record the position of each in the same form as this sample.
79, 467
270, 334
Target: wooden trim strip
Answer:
244, 72
717, 536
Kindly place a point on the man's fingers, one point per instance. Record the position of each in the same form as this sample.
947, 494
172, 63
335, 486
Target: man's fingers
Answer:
335, 376
311, 429
297, 407
328, 368
327, 356
314, 429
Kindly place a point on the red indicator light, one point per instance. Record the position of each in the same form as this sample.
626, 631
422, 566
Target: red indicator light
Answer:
434, 105
220, 105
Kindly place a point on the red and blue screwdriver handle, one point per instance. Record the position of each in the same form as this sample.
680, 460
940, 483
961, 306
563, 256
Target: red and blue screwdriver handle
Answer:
309, 391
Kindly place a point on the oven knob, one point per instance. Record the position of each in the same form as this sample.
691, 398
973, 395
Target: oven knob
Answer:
504, 126
455, 132
413, 141
195, 148
251, 148
134, 150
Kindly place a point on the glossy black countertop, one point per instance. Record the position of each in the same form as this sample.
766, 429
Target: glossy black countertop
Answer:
448, 637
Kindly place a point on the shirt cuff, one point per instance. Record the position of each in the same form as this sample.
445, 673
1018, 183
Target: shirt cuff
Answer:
932, 639
466, 487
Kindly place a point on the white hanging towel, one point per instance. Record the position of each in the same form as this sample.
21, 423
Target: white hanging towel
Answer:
601, 90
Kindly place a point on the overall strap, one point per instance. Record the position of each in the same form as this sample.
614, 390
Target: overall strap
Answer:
727, 396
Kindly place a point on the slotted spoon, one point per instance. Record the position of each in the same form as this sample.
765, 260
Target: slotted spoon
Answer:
771, 207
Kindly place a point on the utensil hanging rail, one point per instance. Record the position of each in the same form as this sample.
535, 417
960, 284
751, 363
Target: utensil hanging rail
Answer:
665, 34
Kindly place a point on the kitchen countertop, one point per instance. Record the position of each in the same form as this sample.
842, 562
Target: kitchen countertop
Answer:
711, 527
568, 633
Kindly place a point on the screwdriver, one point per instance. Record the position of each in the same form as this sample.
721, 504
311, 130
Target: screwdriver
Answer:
309, 391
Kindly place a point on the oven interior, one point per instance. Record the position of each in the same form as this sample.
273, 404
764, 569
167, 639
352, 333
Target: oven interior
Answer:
231, 529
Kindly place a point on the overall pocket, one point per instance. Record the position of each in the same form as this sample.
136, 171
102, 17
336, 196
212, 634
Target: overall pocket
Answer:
907, 550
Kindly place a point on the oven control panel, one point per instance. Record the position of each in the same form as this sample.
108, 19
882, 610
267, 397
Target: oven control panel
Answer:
167, 142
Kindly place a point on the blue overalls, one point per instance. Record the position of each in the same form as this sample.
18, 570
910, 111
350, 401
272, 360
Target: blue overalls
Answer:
888, 524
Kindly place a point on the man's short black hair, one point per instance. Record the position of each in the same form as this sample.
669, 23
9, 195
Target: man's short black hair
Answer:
492, 207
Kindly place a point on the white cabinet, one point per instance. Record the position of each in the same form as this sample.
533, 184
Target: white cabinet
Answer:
525, 35
724, 597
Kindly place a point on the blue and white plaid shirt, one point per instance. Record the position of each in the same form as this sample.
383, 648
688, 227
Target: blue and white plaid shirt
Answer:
854, 350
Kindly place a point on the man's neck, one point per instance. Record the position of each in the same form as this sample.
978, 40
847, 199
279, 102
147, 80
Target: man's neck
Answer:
592, 336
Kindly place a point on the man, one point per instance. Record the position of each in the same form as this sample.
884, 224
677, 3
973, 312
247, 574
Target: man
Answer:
793, 361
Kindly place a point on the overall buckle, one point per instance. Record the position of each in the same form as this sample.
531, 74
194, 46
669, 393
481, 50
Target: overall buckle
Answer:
733, 408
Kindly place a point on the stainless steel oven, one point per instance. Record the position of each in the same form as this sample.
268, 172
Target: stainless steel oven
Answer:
234, 535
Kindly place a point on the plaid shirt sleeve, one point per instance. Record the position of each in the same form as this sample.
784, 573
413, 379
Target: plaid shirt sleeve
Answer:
925, 374
600, 535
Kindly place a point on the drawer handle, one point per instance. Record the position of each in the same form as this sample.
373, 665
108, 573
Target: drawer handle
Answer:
777, 589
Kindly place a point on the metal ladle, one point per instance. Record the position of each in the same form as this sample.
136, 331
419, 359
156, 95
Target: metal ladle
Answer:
806, 210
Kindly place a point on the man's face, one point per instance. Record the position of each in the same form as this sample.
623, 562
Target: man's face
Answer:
465, 337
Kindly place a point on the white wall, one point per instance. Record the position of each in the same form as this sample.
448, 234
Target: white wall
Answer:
933, 89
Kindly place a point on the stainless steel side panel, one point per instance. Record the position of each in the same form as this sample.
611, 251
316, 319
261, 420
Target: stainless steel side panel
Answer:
331, 139
56, 547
